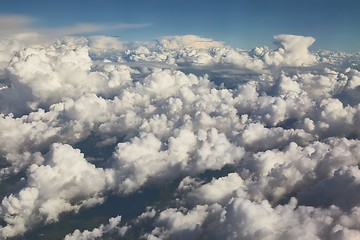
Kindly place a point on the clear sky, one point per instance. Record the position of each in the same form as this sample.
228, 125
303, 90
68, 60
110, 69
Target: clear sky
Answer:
243, 23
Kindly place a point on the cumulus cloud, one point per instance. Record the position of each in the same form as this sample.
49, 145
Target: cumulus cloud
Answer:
60, 75
295, 48
240, 217
103, 44
218, 190
142, 158
177, 224
99, 232
188, 41
273, 156
293, 51
53, 188
8, 48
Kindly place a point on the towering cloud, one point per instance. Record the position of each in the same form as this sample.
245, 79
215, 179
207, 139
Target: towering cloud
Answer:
295, 49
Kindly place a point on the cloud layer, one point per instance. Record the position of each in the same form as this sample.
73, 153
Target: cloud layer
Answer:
261, 144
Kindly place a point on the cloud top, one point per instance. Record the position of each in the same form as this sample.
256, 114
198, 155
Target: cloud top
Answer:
296, 49
212, 142
188, 41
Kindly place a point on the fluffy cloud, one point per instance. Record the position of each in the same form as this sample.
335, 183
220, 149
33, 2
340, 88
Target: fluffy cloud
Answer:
8, 48
293, 170
188, 41
177, 224
63, 71
65, 182
295, 49
273, 156
218, 190
240, 217
104, 44
187, 153
98, 232
258, 220
340, 190
188, 49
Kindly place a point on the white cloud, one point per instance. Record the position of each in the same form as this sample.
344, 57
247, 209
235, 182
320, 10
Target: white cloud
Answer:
188, 41
54, 188
103, 44
294, 169
189, 49
176, 224
288, 128
100, 231
24, 28
218, 190
63, 71
15, 24
339, 190
82, 28
8, 48
295, 48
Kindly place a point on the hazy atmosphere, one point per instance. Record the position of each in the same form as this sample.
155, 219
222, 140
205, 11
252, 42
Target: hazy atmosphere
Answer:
180, 120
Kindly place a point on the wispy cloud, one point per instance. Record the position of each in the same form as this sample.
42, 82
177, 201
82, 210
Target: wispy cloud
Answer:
12, 24
82, 28
22, 26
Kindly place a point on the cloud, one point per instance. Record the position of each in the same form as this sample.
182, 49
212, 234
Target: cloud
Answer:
24, 28
339, 190
11, 24
296, 49
81, 28
248, 144
176, 224
188, 41
218, 190
59, 75
8, 48
240, 217
101, 44
53, 188
100, 231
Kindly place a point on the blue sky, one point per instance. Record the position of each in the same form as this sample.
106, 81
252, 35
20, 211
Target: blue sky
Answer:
243, 23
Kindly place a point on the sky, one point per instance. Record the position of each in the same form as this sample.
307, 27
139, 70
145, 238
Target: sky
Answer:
109, 134
243, 23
